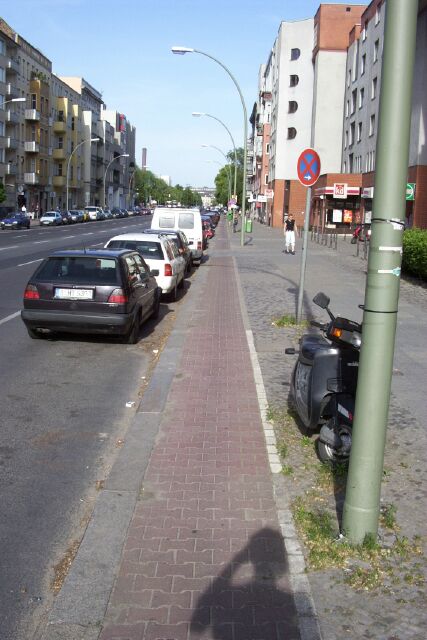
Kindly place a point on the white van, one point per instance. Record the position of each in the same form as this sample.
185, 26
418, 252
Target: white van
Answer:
187, 220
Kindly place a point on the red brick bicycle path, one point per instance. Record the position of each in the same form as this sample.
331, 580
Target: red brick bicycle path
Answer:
204, 555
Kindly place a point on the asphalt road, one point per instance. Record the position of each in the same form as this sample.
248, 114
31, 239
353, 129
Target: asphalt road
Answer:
63, 419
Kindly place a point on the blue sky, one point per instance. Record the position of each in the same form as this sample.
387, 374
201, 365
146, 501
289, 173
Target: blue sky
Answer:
123, 49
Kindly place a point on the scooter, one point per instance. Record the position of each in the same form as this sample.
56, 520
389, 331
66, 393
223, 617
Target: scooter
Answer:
324, 382
359, 235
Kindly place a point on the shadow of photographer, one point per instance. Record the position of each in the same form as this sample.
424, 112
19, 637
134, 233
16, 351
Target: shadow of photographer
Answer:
251, 598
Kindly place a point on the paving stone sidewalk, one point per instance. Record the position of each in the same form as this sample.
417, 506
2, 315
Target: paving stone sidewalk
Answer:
204, 554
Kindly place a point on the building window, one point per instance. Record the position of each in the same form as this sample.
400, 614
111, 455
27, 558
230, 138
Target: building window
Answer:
364, 32
1, 74
376, 50
372, 125
374, 88
292, 106
59, 168
295, 54
361, 97
350, 163
346, 140
72, 123
363, 64
33, 101
293, 80
61, 116
60, 142
352, 132
359, 132
349, 78
266, 178
267, 148
353, 100
292, 132
2, 47
347, 108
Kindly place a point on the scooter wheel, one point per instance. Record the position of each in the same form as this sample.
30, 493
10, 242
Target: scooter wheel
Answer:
330, 454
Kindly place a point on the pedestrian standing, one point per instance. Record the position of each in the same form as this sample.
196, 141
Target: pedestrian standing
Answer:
290, 228
235, 220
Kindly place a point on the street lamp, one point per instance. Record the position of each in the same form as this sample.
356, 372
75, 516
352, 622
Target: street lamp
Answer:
212, 146
181, 51
228, 175
69, 160
198, 114
13, 100
122, 155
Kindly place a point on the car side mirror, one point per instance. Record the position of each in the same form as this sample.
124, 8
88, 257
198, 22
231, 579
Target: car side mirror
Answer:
154, 272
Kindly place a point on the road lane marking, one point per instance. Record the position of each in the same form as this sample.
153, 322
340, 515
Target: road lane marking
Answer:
23, 264
97, 245
90, 233
11, 317
40, 241
66, 237
12, 247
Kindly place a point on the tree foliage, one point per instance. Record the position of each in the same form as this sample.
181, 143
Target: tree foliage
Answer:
221, 180
150, 187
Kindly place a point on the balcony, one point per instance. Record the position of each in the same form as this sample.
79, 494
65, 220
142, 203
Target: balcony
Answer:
11, 91
60, 126
59, 181
11, 169
58, 154
32, 147
32, 114
31, 178
12, 117
12, 66
11, 143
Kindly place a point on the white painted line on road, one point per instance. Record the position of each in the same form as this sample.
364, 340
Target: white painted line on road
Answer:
90, 233
11, 247
11, 317
66, 237
40, 241
97, 245
23, 264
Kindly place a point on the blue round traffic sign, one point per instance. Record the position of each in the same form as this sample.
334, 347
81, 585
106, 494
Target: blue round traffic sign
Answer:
308, 167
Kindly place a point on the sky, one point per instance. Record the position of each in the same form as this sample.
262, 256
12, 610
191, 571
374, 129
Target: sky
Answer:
123, 49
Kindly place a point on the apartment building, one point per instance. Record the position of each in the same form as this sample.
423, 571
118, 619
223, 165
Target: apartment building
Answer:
260, 120
46, 126
362, 93
122, 164
307, 71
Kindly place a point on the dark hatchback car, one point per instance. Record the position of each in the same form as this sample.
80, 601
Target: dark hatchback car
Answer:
16, 221
180, 240
92, 291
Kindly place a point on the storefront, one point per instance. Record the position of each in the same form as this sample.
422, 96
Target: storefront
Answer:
336, 206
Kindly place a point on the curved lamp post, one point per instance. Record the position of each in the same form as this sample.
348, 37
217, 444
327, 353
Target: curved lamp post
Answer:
197, 114
183, 50
228, 174
13, 100
122, 155
69, 160
211, 146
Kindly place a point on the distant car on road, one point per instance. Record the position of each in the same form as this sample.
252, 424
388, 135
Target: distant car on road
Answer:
94, 213
51, 218
16, 220
91, 291
76, 215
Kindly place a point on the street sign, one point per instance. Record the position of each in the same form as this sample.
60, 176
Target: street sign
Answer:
269, 193
410, 190
262, 198
308, 167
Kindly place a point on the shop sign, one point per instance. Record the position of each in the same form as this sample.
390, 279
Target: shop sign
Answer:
368, 192
340, 190
410, 190
262, 198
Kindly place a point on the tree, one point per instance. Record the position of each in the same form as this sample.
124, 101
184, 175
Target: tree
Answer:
2, 192
149, 187
221, 180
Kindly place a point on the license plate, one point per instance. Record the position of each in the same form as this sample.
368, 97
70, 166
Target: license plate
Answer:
74, 294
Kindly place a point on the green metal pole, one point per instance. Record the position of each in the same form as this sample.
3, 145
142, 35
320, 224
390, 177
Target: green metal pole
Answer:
362, 503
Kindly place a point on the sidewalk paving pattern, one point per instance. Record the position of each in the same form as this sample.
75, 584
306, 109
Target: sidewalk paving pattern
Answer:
204, 555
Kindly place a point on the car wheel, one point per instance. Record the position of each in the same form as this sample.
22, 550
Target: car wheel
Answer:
132, 336
156, 308
35, 335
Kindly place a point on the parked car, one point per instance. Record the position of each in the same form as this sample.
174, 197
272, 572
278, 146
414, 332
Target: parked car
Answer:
187, 220
51, 218
107, 214
125, 213
117, 213
16, 220
94, 213
145, 211
161, 255
76, 215
180, 239
91, 291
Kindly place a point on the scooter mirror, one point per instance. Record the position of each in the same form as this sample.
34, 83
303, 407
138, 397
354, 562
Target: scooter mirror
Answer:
322, 300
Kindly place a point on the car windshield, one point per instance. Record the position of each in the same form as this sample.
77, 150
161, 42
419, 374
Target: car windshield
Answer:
186, 221
79, 270
149, 250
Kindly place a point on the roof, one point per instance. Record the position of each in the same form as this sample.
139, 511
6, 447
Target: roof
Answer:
91, 253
